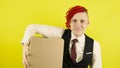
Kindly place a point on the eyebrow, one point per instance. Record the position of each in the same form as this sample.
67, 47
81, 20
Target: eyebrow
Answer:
79, 19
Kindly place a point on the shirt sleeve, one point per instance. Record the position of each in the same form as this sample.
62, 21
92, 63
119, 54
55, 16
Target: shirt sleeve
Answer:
46, 31
97, 61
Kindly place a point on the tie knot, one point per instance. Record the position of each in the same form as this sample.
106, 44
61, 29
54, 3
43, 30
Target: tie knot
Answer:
74, 40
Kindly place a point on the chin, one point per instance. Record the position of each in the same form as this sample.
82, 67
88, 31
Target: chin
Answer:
78, 34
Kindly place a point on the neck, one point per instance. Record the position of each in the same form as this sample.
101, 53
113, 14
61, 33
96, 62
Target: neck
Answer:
77, 36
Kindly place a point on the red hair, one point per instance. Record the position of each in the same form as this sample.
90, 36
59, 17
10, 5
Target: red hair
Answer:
71, 12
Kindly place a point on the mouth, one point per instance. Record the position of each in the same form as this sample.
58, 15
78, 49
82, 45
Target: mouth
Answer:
77, 29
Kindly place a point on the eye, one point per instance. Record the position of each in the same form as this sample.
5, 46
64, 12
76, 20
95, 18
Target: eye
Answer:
74, 20
82, 21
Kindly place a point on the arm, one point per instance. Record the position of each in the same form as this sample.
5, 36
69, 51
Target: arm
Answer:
46, 31
25, 54
97, 61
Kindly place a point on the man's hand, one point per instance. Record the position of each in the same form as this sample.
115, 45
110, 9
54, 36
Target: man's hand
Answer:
25, 55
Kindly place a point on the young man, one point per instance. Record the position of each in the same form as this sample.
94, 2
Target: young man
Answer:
85, 51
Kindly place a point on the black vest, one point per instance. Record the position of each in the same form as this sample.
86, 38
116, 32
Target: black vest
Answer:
87, 55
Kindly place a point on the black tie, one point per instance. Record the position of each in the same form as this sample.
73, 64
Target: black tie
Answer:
73, 50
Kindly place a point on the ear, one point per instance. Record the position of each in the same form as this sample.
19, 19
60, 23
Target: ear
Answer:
69, 27
88, 23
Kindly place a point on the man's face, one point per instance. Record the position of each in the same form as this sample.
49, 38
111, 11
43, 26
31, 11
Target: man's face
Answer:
78, 23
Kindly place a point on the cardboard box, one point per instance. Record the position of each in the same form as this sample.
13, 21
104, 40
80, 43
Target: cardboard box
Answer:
46, 52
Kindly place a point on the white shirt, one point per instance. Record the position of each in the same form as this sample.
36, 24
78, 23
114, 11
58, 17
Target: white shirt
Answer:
52, 31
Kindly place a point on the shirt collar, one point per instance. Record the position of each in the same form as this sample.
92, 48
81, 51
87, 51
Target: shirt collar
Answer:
81, 39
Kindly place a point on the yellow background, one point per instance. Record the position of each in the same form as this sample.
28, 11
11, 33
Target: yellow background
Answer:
15, 15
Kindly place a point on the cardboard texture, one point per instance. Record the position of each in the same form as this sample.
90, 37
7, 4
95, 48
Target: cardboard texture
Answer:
46, 52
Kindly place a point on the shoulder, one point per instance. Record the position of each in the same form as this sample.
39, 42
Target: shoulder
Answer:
96, 47
96, 44
66, 32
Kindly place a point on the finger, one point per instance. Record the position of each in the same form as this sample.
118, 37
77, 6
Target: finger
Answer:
26, 64
25, 60
25, 56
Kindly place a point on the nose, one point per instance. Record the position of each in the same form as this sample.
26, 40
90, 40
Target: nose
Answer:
77, 25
